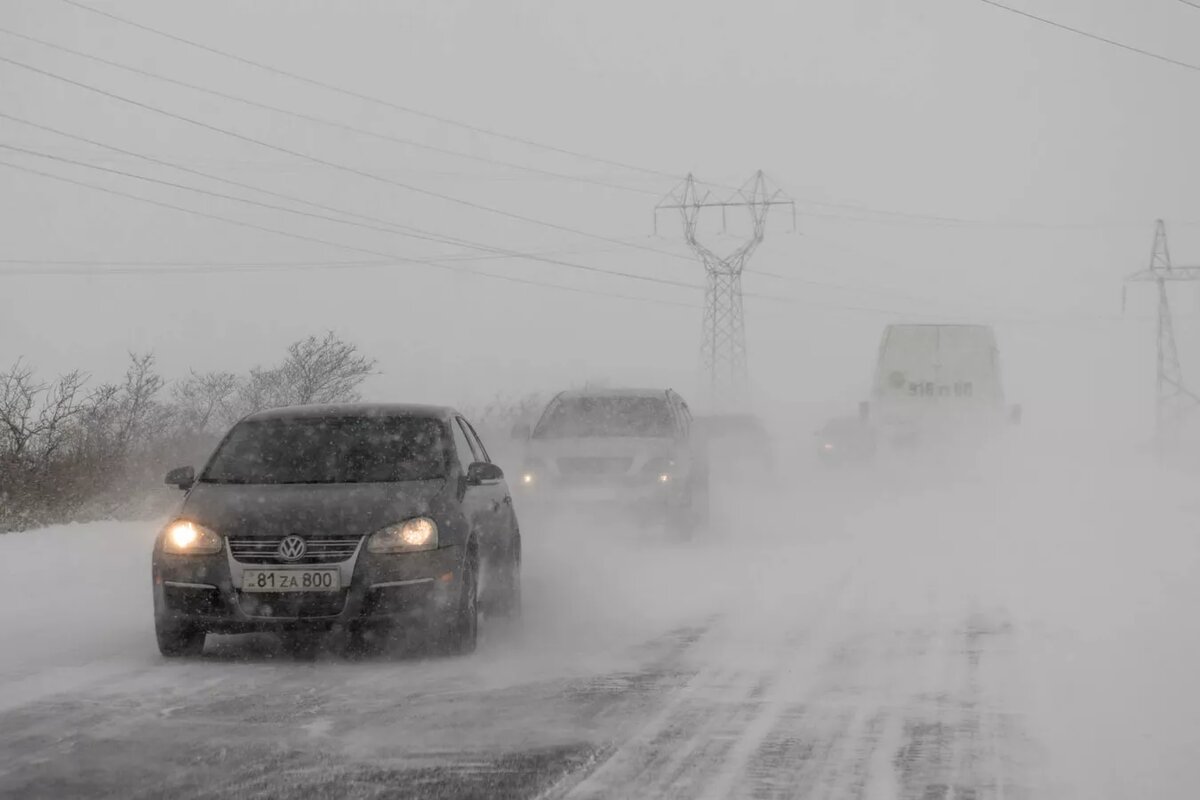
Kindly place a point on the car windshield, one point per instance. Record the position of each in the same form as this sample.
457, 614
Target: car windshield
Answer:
574, 417
330, 450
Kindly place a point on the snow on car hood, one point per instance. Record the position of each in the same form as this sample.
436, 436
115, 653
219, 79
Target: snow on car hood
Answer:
275, 509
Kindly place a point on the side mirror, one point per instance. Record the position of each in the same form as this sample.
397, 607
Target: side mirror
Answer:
481, 472
1014, 414
182, 477
864, 410
521, 431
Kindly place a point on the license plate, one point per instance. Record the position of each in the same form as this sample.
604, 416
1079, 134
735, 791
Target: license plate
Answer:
291, 580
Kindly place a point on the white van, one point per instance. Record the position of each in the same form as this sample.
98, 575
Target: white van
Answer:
937, 379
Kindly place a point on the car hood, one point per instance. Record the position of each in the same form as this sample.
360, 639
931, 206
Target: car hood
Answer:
601, 447
274, 510
597, 457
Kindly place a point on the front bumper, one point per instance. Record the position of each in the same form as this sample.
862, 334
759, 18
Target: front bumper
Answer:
205, 592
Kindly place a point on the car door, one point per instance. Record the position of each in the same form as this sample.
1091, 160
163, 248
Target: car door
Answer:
476, 500
499, 499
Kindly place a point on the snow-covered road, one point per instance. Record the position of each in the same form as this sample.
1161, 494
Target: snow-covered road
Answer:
1025, 630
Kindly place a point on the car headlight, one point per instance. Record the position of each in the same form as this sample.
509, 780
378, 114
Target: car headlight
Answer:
186, 538
419, 533
662, 470
531, 473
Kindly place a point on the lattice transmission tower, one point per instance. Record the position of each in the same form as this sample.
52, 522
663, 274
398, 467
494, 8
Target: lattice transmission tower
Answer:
723, 331
1172, 397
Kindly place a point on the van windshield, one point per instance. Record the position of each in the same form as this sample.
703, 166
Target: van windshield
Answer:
330, 450
574, 417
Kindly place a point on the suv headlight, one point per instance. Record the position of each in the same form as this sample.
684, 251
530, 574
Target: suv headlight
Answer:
186, 538
419, 533
532, 472
661, 470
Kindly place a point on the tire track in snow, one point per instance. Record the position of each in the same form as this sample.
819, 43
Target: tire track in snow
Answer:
718, 718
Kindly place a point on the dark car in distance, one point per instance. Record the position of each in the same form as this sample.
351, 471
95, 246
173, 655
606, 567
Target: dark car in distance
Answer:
369, 519
846, 440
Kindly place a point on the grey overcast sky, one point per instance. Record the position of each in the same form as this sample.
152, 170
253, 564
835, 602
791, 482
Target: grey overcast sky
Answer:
1058, 150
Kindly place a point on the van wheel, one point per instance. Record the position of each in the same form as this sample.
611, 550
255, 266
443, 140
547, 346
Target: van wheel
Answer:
178, 641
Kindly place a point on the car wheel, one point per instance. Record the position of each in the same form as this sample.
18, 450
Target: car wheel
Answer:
176, 641
463, 633
506, 597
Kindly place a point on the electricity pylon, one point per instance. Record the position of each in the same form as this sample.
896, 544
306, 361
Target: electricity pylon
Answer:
723, 332
1172, 398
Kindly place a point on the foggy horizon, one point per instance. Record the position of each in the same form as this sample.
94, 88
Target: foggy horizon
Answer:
921, 565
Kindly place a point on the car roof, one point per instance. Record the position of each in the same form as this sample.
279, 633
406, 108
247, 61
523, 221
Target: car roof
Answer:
354, 410
625, 392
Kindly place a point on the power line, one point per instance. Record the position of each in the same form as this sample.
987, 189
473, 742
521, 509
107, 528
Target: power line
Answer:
390, 259
323, 120
541, 145
312, 239
1085, 34
174, 185
389, 227
397, 259
127, 262
368, 98
399, 230
406, 230
915, 216
332, 164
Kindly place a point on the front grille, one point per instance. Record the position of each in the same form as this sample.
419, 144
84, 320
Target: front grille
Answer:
292, 605
593, 467
321, 549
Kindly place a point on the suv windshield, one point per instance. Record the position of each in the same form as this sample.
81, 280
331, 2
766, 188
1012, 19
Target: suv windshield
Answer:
330, 450
606, 416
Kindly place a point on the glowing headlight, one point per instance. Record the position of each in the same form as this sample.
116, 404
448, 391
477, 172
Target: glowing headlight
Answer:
827, 447
419, 533
660, 468
527, 478
185, 538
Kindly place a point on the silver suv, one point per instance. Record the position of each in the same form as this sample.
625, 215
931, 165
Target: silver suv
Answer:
629, 450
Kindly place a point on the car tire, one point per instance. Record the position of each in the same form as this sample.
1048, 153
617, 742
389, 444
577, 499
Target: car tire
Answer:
462, 632
179, 641
506, 597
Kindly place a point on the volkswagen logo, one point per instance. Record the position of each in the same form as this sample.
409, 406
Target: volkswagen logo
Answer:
292, 548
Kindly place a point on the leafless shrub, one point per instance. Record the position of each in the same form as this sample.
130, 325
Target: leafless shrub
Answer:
69, 453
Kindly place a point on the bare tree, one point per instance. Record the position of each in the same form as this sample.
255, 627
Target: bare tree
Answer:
206, 400
70, 453
141, 416
325, 370
34, 416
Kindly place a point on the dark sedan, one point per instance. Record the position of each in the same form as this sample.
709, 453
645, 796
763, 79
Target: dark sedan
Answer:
371, 519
